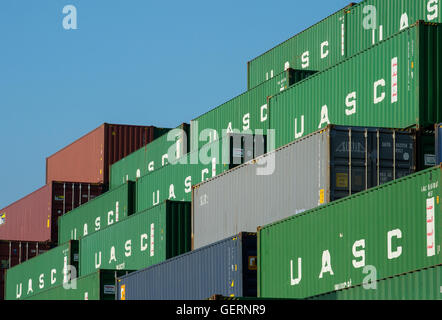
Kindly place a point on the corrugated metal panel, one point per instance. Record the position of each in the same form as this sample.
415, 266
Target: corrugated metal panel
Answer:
315, 48
322, 167
89, 158
28, 219
392, 228
87, 288
425, 284
368, 90
243, 199
227, 267
83, 160
390, 18
142, 240
174, 181
96, 286
122, 140
42, 272
107, 209
342, 35
13, 253
149, 158
67, 196
248, 111
34, 217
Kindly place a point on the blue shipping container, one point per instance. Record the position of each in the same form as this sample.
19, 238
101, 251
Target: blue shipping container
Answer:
438, 139
227, 268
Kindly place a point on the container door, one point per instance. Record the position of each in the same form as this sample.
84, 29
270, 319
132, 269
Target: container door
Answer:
394, 156
348, 158
405, 154
384, 158
245, 147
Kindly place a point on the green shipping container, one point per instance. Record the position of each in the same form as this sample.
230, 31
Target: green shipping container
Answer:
146, 238
372, 21
341, 35
248, 111
107, 209
379, 233
151, 157
42, 272
425, 284
395, 84
96, 286
175, 181
316, 48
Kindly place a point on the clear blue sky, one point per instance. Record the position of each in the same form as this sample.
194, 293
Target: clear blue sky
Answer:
132, 62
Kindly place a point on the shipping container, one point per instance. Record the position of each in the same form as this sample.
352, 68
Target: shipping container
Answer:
341, 35
384, 232
13, 253
35, 217
105, 210
174, 181
247, 111
395, 84
152, 156
325, 166
316, 48
144, 239
438, 143
390, 17
89, 158
50, 269
227, 267
425, 284
99, 285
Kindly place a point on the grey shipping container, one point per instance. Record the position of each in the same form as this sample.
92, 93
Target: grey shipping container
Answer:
325, 166
227, 267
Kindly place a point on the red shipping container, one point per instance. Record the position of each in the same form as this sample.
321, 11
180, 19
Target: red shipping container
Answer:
35, 217
89, 158
13, 253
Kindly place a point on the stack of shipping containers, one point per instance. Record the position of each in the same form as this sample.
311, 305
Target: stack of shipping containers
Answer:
323, 174
75, 175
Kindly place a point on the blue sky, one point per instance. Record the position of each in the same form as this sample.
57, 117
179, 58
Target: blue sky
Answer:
132, 62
